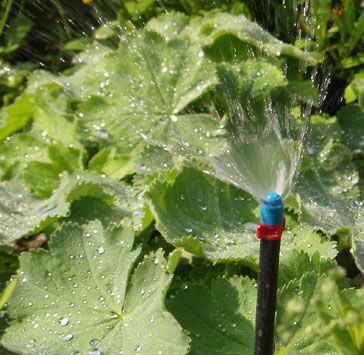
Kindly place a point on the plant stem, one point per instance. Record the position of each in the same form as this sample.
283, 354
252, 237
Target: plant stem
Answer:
5, 16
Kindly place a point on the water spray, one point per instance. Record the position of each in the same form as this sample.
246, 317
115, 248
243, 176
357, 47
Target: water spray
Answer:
269, 231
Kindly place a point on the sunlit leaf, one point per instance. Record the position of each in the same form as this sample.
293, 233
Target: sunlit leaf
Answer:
78, 297
146, 82
206, 30
15, 116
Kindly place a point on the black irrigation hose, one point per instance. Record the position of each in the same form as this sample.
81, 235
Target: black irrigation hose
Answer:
267, 295
269, 232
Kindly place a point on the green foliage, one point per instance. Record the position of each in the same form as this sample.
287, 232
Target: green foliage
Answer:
87, 301
131, 164
220, 317
196, 211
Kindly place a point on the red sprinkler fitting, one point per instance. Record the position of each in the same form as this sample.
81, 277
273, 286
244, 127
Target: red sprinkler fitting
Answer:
264, 231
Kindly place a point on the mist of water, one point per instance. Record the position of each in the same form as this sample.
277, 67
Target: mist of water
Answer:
259, 158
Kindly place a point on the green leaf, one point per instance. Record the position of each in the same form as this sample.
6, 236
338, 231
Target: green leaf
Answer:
349, 95
346, 325
50, 115
329, 213
145, 82
169, 25
358, 238
138, 7
295, 264
336, 169
83, 296
107, 30
16, 33
260, 78
252, 78
21, 149
319, 208
208, 217
322, 130
358, 87
43, 177
33, 160
297, 315
23, 214
190, 136
351, 62
15, 116
78, 44
152, 159
219, 318
307, 240
208, 29
195, 205
351, 119
8, 267
114, 165
303, 89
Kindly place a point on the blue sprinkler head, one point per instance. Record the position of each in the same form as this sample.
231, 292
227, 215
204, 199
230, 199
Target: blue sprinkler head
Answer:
271, 209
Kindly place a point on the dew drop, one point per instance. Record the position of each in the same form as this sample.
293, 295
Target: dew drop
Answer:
100, 250
67, 337
95, 344
137, 214
64, 321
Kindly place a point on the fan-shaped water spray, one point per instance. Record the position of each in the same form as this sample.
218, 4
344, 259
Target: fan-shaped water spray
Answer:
261, 153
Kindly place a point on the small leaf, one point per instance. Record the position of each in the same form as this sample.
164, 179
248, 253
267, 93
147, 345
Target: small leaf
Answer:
16, 33
114, 165
50, 115
15, 116
43, 177
20, 149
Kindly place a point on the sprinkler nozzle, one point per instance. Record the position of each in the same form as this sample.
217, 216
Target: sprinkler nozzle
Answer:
272, 222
